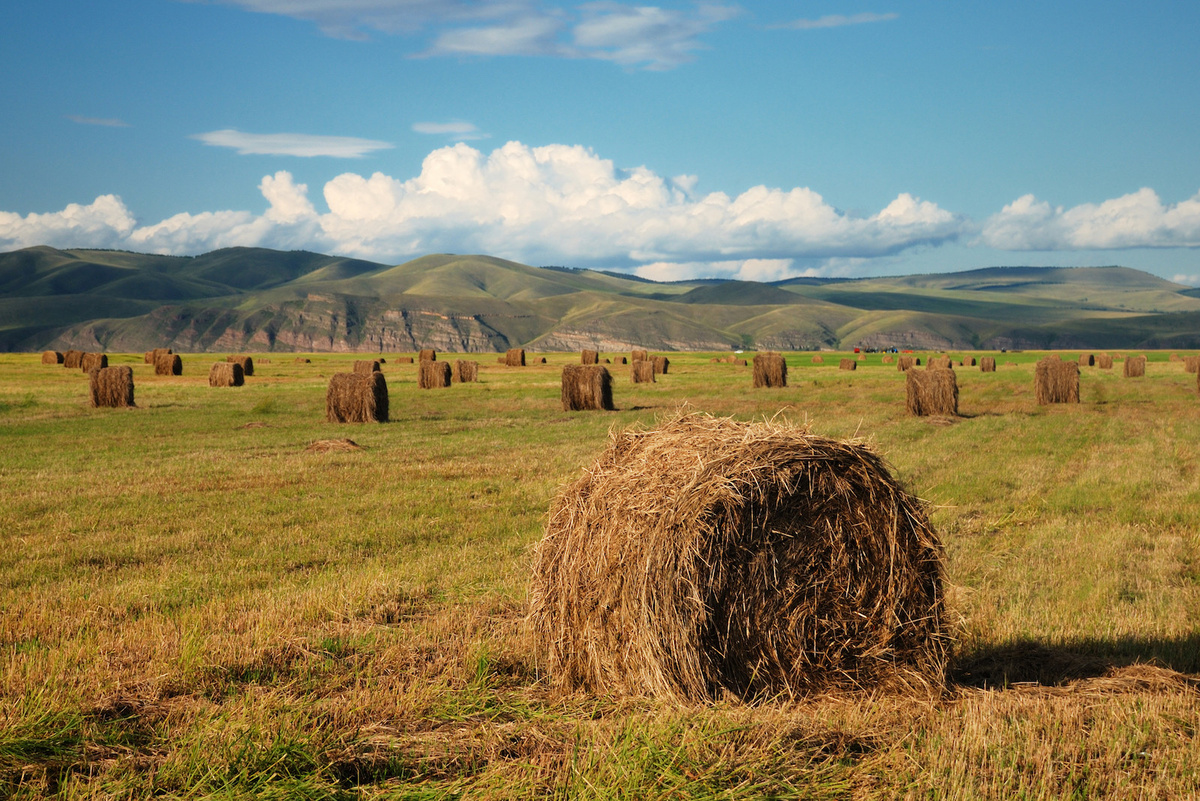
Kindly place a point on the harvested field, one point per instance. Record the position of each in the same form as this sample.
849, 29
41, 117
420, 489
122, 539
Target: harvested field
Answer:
586, 388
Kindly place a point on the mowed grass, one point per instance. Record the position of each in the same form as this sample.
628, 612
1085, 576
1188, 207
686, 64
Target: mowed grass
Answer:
194, 605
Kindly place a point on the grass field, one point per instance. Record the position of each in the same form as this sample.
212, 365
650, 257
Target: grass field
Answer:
193, 604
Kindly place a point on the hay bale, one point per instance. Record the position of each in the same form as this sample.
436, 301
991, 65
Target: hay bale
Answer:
93, 361
939, 363
905, 363
740, 362
111, 387
427, 355
226, 374
818, 359
1056, 381
246, 362
987, 364
620, 360
642, 372
931, 393
1191, 364
434, 375
709, 556
1135, 366
1104, 361
1087, 360
541, 360
661, 365
586, 387
1174, 357
466, 372
639, 356
887, 359
848, 364
970, 362
148, 357
770, 370
302, 360
515, 357
589, 357
366, 366
52, 357
71, 359
357, 398
168, 364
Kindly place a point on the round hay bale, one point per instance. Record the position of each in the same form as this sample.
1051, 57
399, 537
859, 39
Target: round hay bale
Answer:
427, 355
586, 387
620, 360
1135, 367
302, 360
71, 359
246, 362
931, 393
93, 361
589, 357
1056, 381
639, 356
111, 387
434, 375
1191, 364
661, 365
1104, 361
818, 359
515, 357
357, 398
642, 372
466, 372
770, 370
1087, 360
168, 364
708, 556
226, 374
987, 364
848, 364
939, 363
52, 357
366, 366
887, 359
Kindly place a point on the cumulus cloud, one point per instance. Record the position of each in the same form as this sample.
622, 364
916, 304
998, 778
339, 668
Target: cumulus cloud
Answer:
103, 223
1139, 219
836, 21
292, 144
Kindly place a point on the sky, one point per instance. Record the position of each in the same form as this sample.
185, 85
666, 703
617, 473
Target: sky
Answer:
753, 140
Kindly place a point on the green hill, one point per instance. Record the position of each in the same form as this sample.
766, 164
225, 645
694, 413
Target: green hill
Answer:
263, 300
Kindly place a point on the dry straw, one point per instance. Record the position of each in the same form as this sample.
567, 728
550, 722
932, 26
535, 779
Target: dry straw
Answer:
52, 357
639, 356
710, 556
168, 364
906, 363
589, 357
93, 361
1087, 360
888, 359
620, 360
818, 359
246, 362
931, 393
1056, 381
366, 366
1104, 361
434, 375
404, 360
848, 364
427, 355
1135, 366
357, 398
770, 370
71, 359
466, 372
111, 386
969, 361
302, 360
1174, 357
1191, 364
642, 372
586, 387
661, 365
987, 364
226, 374
939, 363
515, 357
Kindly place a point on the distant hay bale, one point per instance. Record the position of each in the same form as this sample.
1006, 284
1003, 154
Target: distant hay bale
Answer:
302, 360
246, 362
848, 364
427, 355
1104, 361
404, 360
969, 362
52, 357
466, 372
661, 365
620, 360
906, 363
499, 360
708, 556
1174, 357
642, 372
93, 361
366, 366
608, 361
987, 364
1135, 366
939, 363
226, 374
586, 387
770, 370
148, 357
541, 360
818, 359
357, 398
152, 356
111, 387
434, 375
740, 362
515, 357
1191, 364
888, 359
1087, 360
931, 393
589, 357
71, 359
334, 446
639, 356
168, 364
1056, 381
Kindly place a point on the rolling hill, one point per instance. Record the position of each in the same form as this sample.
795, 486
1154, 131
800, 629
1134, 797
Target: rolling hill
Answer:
263, 300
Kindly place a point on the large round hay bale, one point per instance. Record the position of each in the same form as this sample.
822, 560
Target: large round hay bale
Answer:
1056, 381
434, 375
770, 370
466, 372
111, 386
427, 355
1104, 361
52, 357
93, 361
515, 357
357, 398
987, 364
586, 387
1087, 360
366, 366
226, 374
246, 362
931, 393
168, 364
71, 359
661, 364
589, 357
708, 556
642, 372
1135, 366
848, 364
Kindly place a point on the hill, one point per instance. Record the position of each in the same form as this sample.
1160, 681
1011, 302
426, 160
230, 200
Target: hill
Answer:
262, 300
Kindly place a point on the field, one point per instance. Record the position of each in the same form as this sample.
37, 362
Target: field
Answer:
195, 604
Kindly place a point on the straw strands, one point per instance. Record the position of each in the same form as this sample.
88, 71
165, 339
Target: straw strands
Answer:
642, 372
931, 393
466, 372
226, 374
246, 362
1135, 366
987, 364
848, 364
93, 361
52, 357
515, 357
589, 357
586, 387
366, 366
708, 555
906, 363
434, 375
357, 398
1056, 381
770, 370
111, 387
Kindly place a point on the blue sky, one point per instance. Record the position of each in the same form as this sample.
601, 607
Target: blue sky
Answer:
752, 140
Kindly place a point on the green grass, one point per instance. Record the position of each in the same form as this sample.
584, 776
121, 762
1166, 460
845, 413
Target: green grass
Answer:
192, 604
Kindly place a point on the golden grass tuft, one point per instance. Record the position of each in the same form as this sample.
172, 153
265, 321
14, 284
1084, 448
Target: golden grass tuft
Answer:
709, 556
52, 357
586, 387
1056, 381
931, 393
111, 387
770, 370
226, 374
366, 366
589, 357
434, 375
465, 371
987, 364
642, 372
427, 355
1135, 366
93, 361
246, 362
357, 398
515, 357
848, 364
168, 364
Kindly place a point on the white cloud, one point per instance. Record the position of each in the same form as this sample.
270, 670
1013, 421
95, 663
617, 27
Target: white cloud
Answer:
459, 131
532, 35
1186, 280
655, 38
836, 21
1135, 220
349, 19
292, 144
102, 121
101, 224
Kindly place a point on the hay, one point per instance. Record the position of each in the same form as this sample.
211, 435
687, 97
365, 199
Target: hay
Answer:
226, 374
515, 357
404, 360
661, 365
642, 372
970, 362
1087, 360
987, 364
1174, 357
639, 355
541, 360
740, 362
931, 393
302, 360
111, 387
246, 362
1135, 366
709, 556
52, 357
848, 364
818, 359
888, 359
333, 446
620, 360
357, 398
168, 364
466, 372
1056, 381
71, 359
939, 363
93, 361
427, 355
905, 363
586, 387
770, 370
1104, 361
366, 366
1191, 364
589, 357
434, 375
